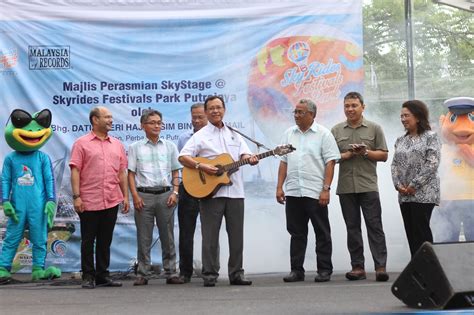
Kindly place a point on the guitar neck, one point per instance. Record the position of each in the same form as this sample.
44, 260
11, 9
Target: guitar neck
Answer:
232, 166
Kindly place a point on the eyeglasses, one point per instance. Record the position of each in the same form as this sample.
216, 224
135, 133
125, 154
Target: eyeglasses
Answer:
298, 112
156, 123
21, 118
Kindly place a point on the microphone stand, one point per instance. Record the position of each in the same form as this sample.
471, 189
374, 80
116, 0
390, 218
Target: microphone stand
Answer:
258, 144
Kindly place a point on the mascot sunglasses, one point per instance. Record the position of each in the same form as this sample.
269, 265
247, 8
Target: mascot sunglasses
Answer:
21, 118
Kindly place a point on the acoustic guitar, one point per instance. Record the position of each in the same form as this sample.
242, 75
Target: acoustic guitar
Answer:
199, 184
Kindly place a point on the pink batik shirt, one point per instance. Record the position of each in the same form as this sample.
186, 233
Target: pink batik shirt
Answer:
99, 163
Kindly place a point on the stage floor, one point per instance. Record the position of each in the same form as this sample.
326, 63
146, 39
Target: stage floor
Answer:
268, 295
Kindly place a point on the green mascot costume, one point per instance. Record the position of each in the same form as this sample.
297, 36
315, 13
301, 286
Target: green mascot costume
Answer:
28, 193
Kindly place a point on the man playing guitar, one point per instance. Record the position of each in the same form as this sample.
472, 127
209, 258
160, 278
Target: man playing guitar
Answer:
209, 142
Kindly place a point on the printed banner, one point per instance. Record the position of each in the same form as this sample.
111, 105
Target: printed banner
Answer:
261, 57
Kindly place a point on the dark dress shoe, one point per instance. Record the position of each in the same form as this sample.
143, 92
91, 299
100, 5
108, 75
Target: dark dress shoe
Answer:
381, 275
209, 282
322, 277
186, 279
88, 284
174, 280
356, 274
140, 281
107, 282
294, 277
240, 281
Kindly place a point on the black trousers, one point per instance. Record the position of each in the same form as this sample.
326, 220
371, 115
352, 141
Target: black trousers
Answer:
97, 227
416, 218
299, 210
369, 203
188, 211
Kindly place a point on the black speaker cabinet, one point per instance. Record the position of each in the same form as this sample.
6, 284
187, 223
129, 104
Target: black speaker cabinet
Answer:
439, 276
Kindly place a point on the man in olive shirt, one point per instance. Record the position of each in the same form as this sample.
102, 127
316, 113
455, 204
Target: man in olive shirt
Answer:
362, 144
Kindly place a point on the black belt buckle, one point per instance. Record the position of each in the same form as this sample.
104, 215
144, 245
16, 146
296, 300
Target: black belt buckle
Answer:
155, 191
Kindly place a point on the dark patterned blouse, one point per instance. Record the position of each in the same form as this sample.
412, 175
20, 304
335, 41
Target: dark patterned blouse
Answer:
415, 163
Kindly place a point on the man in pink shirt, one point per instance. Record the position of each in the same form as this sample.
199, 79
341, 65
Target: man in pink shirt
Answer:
99, 185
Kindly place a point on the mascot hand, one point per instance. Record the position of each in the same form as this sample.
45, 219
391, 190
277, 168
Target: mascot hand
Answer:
467, 152
50, 211
10, 211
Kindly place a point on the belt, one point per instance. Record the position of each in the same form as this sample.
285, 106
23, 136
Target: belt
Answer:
151, 190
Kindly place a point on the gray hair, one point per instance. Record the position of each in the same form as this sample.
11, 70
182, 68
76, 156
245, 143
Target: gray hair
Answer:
310, 104
197, 105
149, 112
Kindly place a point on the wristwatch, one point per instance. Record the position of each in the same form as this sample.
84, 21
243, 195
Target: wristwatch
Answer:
176, 193
197, 165
326, 187
76, 196
366, 154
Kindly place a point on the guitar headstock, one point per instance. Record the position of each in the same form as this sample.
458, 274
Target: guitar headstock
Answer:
283, 149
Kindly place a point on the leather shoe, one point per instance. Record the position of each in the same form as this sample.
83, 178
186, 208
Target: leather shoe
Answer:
357, 273
294, 277
88, 284
107, 282
174, 280
140, 281
381, 275
186, 279
210, 282
322, 277
240, 281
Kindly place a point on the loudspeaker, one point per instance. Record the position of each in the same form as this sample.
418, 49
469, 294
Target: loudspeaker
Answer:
439, 276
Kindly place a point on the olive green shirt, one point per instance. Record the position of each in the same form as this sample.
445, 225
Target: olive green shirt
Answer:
358, 174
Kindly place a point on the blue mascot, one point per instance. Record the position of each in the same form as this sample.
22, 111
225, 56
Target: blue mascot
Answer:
28, 193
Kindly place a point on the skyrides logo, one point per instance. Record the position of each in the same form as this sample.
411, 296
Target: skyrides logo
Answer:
8, 58
59, 248
49, 57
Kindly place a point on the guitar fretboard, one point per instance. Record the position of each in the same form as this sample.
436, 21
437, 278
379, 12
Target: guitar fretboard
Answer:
232, 166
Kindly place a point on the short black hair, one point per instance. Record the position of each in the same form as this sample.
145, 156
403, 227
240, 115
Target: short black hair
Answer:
355, 95
213, 97
95, 112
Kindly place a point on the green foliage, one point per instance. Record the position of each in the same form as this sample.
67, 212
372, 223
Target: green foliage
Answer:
443, 44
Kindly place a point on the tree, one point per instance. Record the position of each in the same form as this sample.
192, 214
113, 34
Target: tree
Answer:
443, 41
